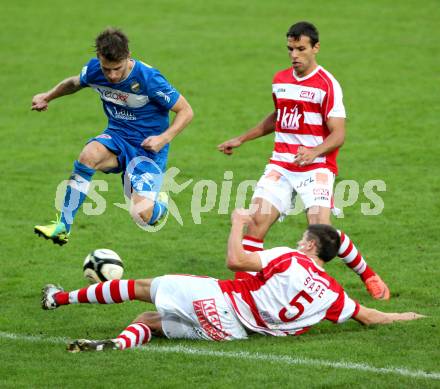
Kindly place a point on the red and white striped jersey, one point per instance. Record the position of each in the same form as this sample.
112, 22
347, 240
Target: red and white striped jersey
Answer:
303, 106
289, 295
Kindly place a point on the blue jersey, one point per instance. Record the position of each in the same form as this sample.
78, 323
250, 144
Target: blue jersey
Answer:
136, 107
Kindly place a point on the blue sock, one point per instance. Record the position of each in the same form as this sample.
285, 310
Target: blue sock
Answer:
158, 211
76, 192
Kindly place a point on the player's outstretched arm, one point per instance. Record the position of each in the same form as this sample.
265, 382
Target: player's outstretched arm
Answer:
368, 316
263, 128
237, 259
68, 86
184, 115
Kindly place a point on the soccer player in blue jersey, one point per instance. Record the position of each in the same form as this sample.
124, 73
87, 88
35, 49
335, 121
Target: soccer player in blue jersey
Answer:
136, 99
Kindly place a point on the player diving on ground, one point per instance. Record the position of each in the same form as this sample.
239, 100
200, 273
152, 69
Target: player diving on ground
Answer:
289, 293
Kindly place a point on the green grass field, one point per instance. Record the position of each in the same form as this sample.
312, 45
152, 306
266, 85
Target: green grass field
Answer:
221, 56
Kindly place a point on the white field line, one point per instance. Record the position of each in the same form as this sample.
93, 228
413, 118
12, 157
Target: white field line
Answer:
243, 355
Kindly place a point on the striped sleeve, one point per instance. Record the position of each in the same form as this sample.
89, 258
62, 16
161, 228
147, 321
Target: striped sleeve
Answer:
332, 105
338, 109
343, 309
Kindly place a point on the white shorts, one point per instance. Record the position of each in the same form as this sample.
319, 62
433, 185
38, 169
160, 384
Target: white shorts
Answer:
280, 186
194, 307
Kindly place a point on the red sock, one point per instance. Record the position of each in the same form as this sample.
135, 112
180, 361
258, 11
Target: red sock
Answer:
353, 258
109, 292
134, 335
250, 244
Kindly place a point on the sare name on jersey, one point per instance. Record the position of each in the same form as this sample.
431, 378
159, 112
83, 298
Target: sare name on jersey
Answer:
314, 287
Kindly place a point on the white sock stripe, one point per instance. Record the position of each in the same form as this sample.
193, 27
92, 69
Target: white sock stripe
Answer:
130, 336
141, 335
147, 332
359, 269
351, 256
79, 183
141, 331
124, 333
106, 292
252, 243
91, 293
344, 245
123, 289
122, 342
73, 297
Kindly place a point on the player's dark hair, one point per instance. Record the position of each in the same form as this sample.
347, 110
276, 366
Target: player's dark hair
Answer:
327, 240
112, 44
306, 29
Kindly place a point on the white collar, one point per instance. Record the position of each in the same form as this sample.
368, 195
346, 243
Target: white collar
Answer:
314, 262
308, 75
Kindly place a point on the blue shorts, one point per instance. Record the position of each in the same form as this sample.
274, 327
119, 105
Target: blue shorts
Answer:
143, 170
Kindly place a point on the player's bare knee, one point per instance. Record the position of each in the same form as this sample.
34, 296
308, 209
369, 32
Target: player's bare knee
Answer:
152, 320
97, 156
264, 214
146, 214
148, 318
141, 209
261, 224
142, 318
88, 158
141, 215
257, 229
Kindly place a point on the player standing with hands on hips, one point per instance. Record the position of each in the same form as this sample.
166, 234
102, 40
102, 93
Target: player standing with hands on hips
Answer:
309, 126
136, 99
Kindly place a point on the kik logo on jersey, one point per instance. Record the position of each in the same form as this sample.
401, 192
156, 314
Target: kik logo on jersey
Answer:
290, 117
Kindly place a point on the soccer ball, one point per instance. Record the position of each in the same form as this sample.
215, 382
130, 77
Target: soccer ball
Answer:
103, 265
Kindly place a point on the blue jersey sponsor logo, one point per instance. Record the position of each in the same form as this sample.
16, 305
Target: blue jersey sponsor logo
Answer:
123, 114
